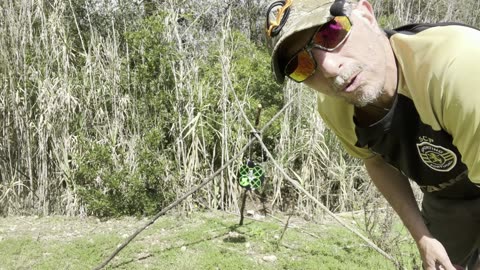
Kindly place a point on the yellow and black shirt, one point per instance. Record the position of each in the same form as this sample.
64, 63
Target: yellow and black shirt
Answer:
432, 132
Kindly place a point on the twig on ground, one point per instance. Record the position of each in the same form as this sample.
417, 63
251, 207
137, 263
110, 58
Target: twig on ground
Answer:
284, 229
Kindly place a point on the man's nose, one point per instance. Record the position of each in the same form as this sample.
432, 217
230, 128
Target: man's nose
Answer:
329, 63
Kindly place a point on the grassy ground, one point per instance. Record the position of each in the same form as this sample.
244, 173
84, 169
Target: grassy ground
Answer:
201, 240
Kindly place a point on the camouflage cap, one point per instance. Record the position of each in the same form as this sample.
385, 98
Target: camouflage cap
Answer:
287, 17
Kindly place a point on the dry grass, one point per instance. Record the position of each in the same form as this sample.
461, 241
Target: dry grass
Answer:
53, 95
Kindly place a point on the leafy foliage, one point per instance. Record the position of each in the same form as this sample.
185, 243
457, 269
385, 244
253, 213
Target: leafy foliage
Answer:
109, 187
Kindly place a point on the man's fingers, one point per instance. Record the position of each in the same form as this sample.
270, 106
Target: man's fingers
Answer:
445, 265
430, 266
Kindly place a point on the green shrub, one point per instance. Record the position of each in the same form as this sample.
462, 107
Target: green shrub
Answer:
108, 187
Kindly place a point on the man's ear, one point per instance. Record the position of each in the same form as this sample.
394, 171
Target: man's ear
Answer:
365, 10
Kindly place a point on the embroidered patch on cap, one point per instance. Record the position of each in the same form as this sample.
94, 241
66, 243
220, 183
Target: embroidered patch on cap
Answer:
436, 157
277, 15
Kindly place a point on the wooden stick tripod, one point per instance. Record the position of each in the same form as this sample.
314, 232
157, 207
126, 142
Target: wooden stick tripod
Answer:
251, 175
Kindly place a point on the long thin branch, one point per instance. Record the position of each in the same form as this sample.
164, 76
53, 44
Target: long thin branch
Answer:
78, 27
300, 188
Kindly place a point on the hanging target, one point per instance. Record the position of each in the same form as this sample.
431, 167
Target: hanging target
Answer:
251, 176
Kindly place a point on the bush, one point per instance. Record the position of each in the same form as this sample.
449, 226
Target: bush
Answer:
108, 185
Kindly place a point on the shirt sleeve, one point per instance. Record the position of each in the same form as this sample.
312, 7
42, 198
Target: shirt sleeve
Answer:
459, 101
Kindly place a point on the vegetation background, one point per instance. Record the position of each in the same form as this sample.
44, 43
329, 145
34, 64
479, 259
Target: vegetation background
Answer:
112, 108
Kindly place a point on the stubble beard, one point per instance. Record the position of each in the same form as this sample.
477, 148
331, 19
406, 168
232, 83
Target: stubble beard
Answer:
366, 93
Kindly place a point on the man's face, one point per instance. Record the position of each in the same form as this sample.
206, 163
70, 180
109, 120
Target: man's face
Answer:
356, 71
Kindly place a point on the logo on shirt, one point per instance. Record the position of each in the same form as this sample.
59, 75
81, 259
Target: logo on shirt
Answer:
436, 157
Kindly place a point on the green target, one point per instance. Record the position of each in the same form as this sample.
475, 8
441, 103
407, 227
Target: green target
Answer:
251, 177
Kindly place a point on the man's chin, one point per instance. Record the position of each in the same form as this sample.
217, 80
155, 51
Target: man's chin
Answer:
361, 98
356, 101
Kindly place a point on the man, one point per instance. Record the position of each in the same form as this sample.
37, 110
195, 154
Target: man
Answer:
407, 102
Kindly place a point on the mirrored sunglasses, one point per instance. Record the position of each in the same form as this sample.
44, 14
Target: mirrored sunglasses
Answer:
328, 37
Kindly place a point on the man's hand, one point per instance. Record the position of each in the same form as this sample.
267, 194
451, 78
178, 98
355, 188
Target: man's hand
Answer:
395, 187
433, 254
